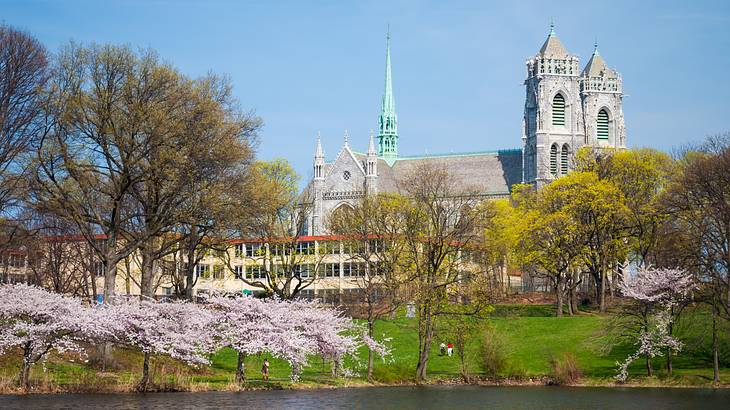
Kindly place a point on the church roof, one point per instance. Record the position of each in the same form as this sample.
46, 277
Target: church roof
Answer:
490, 173
553, 47
597, 67
487, 173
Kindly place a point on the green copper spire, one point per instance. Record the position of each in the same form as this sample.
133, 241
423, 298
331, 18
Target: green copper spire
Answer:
388, 120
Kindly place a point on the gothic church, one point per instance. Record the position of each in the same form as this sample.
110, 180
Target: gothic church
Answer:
565, 109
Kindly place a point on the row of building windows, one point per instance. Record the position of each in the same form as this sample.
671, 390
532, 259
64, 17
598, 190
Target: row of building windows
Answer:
336, 296
13, 260
306, 270
308, 248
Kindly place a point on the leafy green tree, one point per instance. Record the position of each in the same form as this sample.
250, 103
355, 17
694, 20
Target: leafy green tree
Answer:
495, 250
551, 241
700, 198
642, 175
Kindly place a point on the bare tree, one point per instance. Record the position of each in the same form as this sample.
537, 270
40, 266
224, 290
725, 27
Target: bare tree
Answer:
56, 257
199, 156
370, 232
441, 220
276, 221
23, 73
99, 108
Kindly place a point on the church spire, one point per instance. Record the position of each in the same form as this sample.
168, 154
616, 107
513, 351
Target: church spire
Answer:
318, 160
319, 152
388, 120
371, 145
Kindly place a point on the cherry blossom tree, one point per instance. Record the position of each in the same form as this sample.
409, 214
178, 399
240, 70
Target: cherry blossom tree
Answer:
654, 293
335, 336
38, 321
290, 330
181, 330
252, 326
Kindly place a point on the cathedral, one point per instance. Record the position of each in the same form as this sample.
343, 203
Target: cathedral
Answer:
565, 109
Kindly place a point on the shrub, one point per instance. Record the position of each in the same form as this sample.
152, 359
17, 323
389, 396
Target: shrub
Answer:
564, 369
494, 360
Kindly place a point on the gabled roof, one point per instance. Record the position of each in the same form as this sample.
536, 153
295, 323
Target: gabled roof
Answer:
553, 48
490, 173
345, 151
596, 67
486, 173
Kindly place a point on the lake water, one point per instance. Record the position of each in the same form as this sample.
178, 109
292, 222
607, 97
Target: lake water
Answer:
381, 398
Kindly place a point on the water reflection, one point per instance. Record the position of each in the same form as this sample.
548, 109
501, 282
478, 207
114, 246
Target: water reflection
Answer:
430, 397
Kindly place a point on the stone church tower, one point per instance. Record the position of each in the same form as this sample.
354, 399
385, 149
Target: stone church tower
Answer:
601, 91
566, 109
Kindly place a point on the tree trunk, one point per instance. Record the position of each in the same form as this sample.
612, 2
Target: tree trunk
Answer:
128, 277
670, 368
602, 306
649, 369
425, 337
145, 373
559, 298
148, 274
25, 368
574, 300
240, 368
569, 290
715, 358
190, 263
110, 272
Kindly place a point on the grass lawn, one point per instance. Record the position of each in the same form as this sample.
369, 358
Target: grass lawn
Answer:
530, 337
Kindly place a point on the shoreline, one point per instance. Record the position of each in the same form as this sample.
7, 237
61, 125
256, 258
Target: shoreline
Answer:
231, 388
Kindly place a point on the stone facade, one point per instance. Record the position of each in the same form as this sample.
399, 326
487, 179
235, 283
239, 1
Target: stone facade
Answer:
565, 109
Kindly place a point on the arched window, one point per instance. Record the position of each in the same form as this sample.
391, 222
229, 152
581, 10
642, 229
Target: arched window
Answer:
559, 109
343, 210
564, 160
554, 160
602, 125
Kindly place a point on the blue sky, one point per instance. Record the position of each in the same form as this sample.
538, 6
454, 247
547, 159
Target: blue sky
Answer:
458, 66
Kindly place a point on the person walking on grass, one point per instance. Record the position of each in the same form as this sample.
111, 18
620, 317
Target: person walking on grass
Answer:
442, 349
265, 370
450, 349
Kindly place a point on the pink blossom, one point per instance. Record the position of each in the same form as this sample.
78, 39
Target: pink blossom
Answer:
663, 286
658, 290
181, 330
39, 321
291, 330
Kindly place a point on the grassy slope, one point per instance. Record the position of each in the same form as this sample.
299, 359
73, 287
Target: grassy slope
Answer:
530, 335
